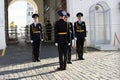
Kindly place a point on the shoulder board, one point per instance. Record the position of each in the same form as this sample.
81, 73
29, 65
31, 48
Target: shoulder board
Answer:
83, 23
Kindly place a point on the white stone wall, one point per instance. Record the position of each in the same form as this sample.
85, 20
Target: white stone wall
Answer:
30, 12
2, 26
74, 6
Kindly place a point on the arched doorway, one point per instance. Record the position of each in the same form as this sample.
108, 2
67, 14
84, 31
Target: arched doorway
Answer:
37, 4
21, 15
100, 27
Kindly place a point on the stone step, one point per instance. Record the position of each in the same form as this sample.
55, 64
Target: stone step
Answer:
106, 47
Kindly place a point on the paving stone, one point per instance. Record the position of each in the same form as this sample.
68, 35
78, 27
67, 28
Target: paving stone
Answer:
98, 65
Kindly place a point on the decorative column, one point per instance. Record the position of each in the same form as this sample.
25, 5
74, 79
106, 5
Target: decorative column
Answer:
2, 25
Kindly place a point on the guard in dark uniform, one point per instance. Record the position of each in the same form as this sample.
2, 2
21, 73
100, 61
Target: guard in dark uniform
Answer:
48, 30
71, 29
62, 39
36, 37
80, 34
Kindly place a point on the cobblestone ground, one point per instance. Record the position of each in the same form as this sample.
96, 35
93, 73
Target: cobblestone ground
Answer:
98, 65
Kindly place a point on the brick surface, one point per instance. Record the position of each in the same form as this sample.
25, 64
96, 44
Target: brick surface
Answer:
98, 65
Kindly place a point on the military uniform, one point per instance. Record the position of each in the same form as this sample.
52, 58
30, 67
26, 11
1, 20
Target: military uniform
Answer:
71, 38
62, 38
36, 37
71, 29
80, 34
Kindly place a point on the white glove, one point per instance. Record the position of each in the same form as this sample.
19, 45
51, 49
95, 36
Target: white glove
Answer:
41, 39
75, 38
56, 44
31, 41
73, 43
85, 38
69, 44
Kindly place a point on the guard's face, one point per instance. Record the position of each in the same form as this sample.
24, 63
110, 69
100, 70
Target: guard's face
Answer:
61, 17
66, 18
79, 18
35, 19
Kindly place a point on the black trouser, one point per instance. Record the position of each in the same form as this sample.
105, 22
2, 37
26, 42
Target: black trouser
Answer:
69, 53
35, 51
62, 49
80, 45
49, 36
